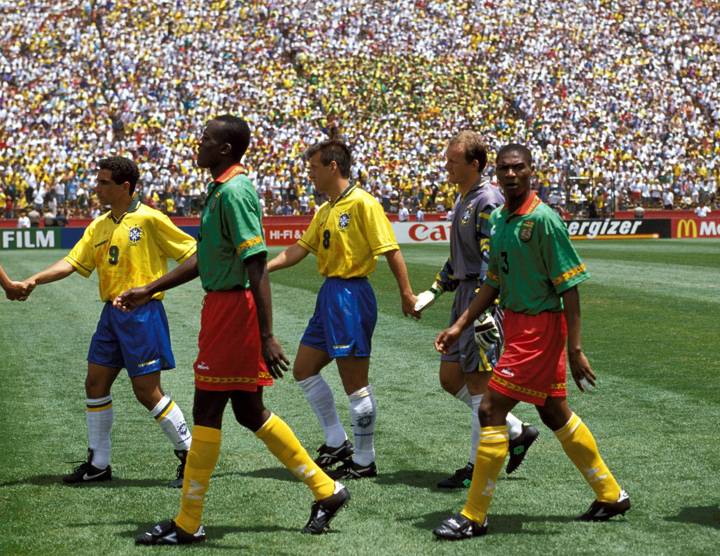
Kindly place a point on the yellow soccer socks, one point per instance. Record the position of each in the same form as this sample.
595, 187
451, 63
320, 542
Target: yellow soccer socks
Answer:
490, 457
580, 446
284, 445
201, 461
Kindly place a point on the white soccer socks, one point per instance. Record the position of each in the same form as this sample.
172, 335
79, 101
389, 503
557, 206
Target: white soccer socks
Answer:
363, 411
99, 416
320, 397
172, 421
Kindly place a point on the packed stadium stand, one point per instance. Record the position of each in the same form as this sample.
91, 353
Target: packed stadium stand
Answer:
617, 98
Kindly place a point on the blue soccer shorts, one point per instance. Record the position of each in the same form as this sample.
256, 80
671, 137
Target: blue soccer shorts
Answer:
344, 318
138, 340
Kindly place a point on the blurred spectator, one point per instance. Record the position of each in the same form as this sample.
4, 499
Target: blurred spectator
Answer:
23, 221
420, 215
61, 219
702, 211
403, 213
668, 199
48, 218
34, 216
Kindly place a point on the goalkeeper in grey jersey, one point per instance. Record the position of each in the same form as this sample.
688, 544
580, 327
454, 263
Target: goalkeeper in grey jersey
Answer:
466, 369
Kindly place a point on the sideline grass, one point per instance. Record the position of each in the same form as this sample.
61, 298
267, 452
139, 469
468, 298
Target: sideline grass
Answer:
650, 329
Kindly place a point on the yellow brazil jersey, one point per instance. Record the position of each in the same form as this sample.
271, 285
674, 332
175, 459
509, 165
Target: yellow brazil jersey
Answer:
130, 252
346, 236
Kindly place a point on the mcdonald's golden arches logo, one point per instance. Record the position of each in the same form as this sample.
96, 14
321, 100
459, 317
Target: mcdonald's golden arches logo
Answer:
686, 227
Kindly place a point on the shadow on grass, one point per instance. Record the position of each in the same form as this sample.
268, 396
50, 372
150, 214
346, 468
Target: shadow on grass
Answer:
277, 473
708, 516
55, 480
499, 524
417, 478
214, 533
420, 478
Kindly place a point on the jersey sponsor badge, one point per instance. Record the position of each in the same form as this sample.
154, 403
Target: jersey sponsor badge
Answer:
344, 220
526, 230
135, 234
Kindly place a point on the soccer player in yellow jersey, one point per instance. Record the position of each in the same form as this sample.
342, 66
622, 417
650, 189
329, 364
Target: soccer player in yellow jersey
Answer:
346, 235
129, 246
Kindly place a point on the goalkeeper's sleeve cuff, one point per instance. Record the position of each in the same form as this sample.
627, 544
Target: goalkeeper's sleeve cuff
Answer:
436, 288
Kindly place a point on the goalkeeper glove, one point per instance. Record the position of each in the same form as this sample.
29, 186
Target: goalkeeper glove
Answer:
427, 298
486, 331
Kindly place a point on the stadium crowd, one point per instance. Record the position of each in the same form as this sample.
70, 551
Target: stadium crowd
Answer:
618, 98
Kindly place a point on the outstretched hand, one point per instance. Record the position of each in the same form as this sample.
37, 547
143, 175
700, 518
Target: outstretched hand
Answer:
274, 356
581, 372
131, 299
408, 306
19, 291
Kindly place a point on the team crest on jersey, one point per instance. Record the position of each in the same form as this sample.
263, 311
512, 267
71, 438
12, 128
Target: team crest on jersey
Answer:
136, 233
466, 217
526, 230
344, 220
214, 201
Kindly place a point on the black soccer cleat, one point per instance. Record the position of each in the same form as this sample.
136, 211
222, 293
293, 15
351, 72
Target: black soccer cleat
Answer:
322, 511
602, 511
460, 479
519, 447
88, 473
167, 532
352, 470
329, 456
180, 472
458, 528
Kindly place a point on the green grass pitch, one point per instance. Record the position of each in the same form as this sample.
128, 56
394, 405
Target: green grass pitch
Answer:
651, 331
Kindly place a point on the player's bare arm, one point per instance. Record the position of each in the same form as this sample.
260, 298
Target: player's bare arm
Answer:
130, 299
289, 257
397, 266
56, 271
483, 300
272, 351
579, 364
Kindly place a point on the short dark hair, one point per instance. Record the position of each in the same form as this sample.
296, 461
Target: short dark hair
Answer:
122, 170
518, 148
474, 147
332, 150
235, 131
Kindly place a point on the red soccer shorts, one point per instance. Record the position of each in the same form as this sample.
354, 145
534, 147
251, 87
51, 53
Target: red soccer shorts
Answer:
532, 367
230, 353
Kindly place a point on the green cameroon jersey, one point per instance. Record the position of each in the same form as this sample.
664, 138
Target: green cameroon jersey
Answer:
532, 260
230, 231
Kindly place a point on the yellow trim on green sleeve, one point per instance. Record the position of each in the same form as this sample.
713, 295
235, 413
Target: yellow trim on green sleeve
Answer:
247, 244
568, 274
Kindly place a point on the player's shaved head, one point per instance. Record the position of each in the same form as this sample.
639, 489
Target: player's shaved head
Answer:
122, 170
522, 150
236, 132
